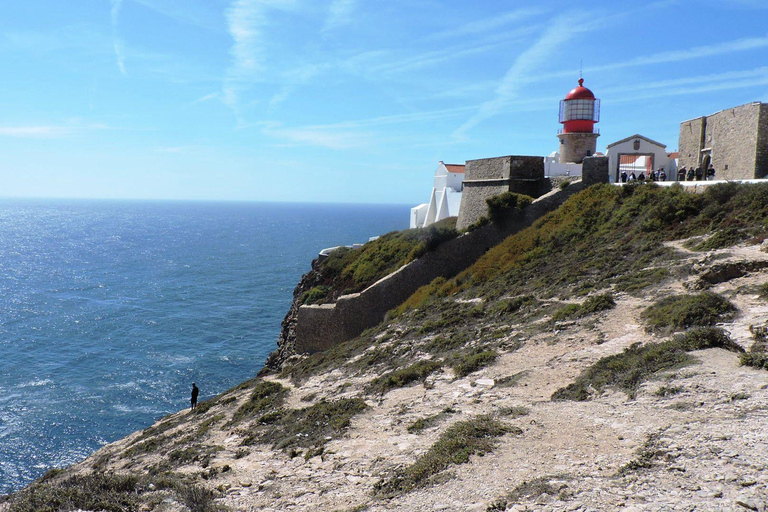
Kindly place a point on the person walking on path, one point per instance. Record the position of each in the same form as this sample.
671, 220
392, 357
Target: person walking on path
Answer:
195, 392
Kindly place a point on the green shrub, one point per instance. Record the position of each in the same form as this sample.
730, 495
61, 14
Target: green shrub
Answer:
315, 294
722, 238
593, 304
465, 364
502, 205
403, 377
629, 369
455, 446
597, 303
665, 391
700, 338
680, 312
109, 492
636, 281
513, 305
266, 395
430, 421
757, 357
567, 312
313, 426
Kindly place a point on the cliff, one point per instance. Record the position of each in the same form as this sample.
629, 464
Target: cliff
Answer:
610, 357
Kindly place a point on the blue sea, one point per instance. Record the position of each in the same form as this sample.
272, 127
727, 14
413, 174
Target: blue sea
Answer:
109, 310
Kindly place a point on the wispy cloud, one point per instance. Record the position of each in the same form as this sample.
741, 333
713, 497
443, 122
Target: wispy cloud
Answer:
207, 97
192, 12
728, 80
246, 22
48, 131
559, 31
390, 62
117, 40
698, 52
355, 133
339, 14
486, 25
320, 137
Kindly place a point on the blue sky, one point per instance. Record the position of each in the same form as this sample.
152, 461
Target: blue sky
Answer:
342, 100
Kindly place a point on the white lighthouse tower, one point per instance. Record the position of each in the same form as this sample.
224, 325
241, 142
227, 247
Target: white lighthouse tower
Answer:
579, 112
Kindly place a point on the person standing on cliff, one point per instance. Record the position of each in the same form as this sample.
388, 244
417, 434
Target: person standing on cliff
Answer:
195, 392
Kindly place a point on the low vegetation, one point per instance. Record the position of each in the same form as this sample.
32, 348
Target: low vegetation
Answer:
465, 363
550, 485
456, 445
680, 312
309, 428
720, 239
416, 372
646, 455
422, 424
348, 270
110, 492
266, 396
593, 304
628, 370
501, 208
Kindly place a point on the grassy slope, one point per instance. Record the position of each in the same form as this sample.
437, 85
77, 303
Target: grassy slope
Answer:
603, 239
349, 270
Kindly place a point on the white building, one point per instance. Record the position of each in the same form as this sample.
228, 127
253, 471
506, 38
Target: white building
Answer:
640, 154
445, 199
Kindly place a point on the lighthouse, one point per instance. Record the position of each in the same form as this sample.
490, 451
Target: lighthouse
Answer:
579, 112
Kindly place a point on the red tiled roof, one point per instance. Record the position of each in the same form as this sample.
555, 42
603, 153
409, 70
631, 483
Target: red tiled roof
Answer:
455, 168
674, 154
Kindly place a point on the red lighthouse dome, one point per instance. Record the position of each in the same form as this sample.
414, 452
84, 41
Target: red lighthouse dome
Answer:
580, 110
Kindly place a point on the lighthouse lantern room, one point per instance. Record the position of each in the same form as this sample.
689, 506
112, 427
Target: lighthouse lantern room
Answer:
579, 112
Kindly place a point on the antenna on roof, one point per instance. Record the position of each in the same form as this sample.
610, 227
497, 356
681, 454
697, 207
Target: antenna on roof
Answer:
581, 68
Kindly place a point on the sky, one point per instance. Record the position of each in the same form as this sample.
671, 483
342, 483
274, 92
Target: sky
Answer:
343, 100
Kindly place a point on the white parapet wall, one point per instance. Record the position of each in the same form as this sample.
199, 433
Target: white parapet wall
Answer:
552, 168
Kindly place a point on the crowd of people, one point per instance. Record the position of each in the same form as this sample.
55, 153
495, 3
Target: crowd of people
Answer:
683, 174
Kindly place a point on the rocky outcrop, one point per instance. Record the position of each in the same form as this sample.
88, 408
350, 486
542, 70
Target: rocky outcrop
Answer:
286, 341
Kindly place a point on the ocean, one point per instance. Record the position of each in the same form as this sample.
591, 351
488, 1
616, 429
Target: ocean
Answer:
109, 310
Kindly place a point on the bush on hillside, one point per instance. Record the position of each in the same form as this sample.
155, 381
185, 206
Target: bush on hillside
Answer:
502, 205
627, 370
680, 312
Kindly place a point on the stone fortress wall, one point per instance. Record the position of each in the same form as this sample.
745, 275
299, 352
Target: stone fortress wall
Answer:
490, 177
735, 140
319, 327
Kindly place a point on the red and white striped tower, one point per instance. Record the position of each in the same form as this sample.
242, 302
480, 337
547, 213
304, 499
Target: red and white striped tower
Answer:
579, 112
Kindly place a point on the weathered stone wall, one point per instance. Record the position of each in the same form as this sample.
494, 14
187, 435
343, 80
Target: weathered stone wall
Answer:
732, 135
736, 139
594, 170
689, 143
473, 205
319, 327
761, 161
488, 177
574, 146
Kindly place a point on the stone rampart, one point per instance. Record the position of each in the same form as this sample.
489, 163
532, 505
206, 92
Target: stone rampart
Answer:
320, 327
594, 170
734, 141
761, 164
488, 177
